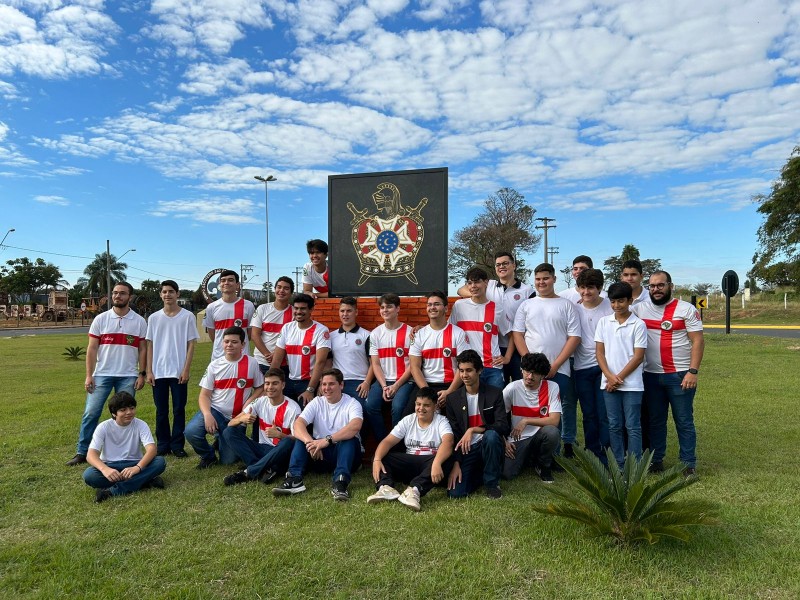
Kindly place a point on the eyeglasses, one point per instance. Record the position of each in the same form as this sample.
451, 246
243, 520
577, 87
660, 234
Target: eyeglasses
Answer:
502, 264
658, 286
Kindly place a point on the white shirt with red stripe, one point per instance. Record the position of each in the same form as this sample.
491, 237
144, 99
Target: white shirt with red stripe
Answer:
474, 417
422, 441
301, 347
480, 323
523, 403
328, 418
350, 352
269, 415
220, 315
438, 349
119, 341
619, 341
547, 323
270, 320
230, 383
509, 299
669, 349
391, 346
319, 281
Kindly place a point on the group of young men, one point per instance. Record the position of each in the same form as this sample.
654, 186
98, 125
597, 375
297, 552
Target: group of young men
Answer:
472, 398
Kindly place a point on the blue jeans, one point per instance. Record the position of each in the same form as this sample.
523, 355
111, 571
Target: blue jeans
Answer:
492, 376
513, 370
161, 392
662, 391
624, 411
258, 457
103, 384
593, 407
196, 436
295, 387
350, 387
569, 409
482, 464
94, 478
343, 457
375, 407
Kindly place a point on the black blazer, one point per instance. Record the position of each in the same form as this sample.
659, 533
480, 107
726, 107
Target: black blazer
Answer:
491, 405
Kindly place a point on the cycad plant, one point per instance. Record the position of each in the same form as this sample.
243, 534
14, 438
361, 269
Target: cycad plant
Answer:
628, 504
73, 353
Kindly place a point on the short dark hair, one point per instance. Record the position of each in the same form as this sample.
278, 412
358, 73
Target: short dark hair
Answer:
546, 267
335, 372
228, 273
429, 393
286, 279
589, 278
234, 330
476, 274
502, 253
303, 299
350, 301
172, 284
620, 290
632, 263
535, 362
470, 356
582, 258
318, 245
438, 294
660, 272
121, 400
126, 284
275, 372
390, 298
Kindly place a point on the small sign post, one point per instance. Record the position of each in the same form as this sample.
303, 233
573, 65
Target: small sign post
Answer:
730, 285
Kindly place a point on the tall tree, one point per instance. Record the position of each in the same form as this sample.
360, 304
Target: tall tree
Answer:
20, 277
777, 260
95, 273
612, 266
506, 223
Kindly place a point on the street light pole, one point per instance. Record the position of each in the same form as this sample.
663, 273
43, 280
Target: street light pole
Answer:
6, 235
108, 269
266, 181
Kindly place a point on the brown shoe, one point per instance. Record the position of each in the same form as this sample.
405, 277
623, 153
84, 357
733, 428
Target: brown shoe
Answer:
76, 460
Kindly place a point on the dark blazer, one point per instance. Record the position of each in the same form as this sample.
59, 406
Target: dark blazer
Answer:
491, 405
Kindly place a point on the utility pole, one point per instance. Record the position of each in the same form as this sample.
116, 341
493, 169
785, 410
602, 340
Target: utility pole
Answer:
243, 270
297, 272
546, 226
553, 251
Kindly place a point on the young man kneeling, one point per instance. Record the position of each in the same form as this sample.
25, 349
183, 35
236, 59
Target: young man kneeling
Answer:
115, 453
429, 440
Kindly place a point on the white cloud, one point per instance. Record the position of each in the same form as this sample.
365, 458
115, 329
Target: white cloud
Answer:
57, 200
233, 74
220, 210
432, 10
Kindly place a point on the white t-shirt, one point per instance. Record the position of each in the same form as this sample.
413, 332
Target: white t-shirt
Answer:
170, 337
119, 341
438, 349
301, 347
220, 315
573, 295
269, 415
270, 320
643, 297
329, 418
523, 403
481, 324
620, 340
474, 417
391, 346
508, 298
230, 383
116, 443
350, 352
422, 441
585, 354
547, 323
669, 349
319, 281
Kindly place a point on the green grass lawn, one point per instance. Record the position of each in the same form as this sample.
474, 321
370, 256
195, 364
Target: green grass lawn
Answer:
198, 539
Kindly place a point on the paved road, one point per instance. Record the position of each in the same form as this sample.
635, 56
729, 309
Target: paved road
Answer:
769, 331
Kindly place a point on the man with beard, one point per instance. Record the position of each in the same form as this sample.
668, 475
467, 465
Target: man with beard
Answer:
116, 346
672, 360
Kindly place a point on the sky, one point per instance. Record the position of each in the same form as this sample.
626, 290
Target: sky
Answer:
145, 122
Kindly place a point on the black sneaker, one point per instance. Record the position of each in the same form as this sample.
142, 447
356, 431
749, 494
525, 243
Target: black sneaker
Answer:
268, 476
78, 459
494, 493
102, 496
339, 490
206, 462
568, 451
157, 483
179, 453
546, 474
234, 478
291, 485
690, 472
657, 467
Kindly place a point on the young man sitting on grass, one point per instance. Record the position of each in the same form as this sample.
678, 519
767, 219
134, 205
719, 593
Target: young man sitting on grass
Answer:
428, 438
118, 466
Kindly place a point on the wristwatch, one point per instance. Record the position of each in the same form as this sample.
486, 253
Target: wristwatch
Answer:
330, 440
693, 371
143, 373
310, 390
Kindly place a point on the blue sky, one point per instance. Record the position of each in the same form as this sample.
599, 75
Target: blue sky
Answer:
144, 123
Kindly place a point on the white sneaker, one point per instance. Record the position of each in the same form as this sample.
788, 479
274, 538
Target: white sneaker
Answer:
410, 498
385, 492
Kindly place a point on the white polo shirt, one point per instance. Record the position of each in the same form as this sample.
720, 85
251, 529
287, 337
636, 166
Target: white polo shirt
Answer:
620, 340
509, 299
350, 352
119, 339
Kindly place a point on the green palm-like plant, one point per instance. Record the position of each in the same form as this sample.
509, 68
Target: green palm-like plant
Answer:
73, 353
628, 504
